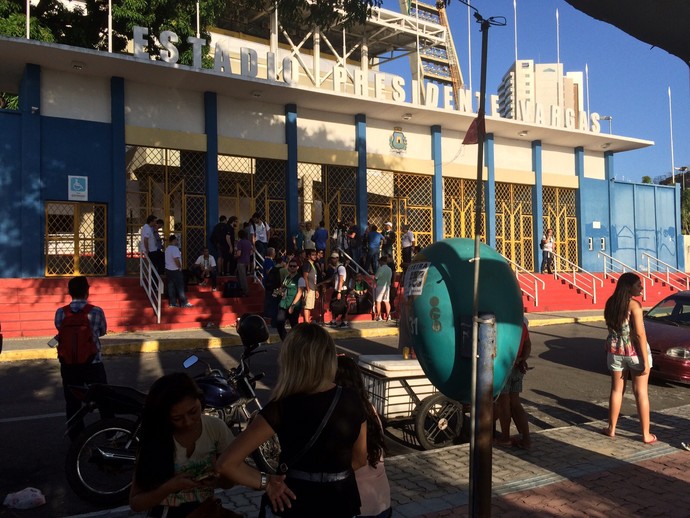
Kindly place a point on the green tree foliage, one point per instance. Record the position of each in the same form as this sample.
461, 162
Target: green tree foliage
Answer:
685, 211
647, 179
320, 13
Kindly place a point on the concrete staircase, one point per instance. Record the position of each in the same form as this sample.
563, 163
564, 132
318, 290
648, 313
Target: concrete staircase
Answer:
559, 295
27, 306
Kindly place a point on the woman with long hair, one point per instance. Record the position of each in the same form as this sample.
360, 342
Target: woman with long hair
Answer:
178, 446
322, 432
292, 290
372, 482
628, 352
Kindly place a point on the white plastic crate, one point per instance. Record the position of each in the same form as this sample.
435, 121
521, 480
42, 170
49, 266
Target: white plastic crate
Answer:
383, 376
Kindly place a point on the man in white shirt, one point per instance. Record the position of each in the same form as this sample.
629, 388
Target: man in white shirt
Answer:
149, 243
205, 268
260, 233
407, 244
173, 272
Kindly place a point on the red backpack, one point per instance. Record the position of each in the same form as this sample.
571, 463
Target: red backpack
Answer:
75, 337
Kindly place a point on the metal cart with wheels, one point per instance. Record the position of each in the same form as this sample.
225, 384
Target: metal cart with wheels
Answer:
399, 390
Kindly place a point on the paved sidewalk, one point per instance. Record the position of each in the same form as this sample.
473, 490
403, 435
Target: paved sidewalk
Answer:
570, 472
17, 349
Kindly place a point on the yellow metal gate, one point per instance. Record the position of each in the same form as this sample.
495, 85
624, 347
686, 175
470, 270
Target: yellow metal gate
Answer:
459, 202
514, 223
170, 184
75, 239
560, 215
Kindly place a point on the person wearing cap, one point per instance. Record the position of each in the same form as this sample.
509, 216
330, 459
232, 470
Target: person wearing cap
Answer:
388, 239
338, 305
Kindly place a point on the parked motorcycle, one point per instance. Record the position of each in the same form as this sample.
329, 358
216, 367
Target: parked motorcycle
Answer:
100, 463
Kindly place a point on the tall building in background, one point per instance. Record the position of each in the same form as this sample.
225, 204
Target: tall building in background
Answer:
543, 84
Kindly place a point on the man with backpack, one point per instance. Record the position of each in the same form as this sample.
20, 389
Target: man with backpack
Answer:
80, 326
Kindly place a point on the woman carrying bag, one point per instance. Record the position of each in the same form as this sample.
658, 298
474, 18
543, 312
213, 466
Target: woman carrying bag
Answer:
322, 432
291, 292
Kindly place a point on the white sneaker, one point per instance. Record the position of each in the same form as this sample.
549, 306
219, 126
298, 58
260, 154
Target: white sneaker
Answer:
187, 305
378, 319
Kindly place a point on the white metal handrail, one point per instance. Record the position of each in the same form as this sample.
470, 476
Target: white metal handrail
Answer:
668, 274
573, 274
354, 264
258, 273
613, 268
531, 281
151, 281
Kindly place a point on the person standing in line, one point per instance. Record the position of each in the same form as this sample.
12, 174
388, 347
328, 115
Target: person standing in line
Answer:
389, 238
546, 245
310, 284
231, 240
372, 481
338, 304
374, 240
243, 254
173, 272
149, 244
407, 243
508, 404
383, 278
292, 289
219, 242
320, 237
627, 352
260, 233
307, 235
90, 371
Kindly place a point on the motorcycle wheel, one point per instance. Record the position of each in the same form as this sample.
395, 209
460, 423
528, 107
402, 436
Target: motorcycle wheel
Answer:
100, 463
267, 456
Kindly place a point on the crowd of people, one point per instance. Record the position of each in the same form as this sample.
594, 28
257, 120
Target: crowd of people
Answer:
331, 438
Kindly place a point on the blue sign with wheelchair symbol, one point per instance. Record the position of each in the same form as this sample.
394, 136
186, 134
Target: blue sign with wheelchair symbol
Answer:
78, 188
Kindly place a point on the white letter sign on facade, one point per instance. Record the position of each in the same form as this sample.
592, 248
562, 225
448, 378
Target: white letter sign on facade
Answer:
385, 86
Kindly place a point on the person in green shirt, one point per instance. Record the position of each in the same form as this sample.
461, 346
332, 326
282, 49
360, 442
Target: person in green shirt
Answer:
289, 306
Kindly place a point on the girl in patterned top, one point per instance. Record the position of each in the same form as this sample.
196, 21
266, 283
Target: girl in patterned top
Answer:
178, 447
628, 351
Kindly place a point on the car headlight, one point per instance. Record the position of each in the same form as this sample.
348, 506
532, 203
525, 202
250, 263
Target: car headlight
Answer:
682, 353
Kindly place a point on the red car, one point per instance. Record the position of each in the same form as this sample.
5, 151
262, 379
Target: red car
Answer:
668, 332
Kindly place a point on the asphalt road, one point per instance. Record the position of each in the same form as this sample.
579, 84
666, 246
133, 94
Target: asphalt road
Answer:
568, 385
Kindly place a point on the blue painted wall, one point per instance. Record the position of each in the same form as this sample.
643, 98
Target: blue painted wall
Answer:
71, 147
10, 187
594, 212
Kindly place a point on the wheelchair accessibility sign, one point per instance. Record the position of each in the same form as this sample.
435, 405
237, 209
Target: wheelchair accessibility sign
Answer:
78, 188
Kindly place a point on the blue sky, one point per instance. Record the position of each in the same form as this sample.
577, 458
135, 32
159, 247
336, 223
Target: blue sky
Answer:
628, 79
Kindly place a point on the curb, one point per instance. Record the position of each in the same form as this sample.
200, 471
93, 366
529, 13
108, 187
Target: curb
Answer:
124, 346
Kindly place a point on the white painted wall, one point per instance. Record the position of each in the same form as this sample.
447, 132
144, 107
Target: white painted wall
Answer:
594, 166
165, 108
251, 120
558, 160
325, 130
75, 96
513, 154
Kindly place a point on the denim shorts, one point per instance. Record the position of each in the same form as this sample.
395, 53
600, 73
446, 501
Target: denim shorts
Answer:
618, 362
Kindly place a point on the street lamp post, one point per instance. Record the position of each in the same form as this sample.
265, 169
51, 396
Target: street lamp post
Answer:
683, 169
608, 118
